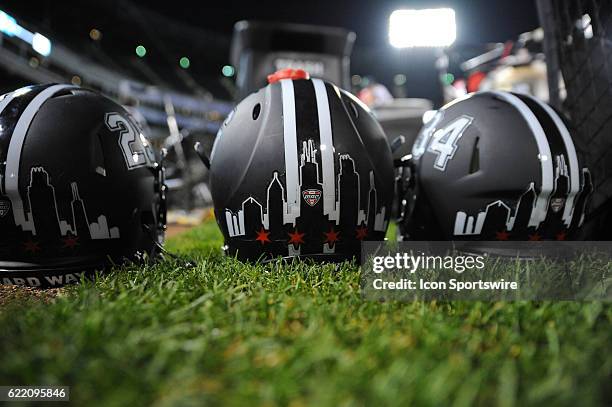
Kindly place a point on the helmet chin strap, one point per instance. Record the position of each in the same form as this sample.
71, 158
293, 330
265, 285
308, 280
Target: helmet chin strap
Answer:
397, 143
151, 234
199, 149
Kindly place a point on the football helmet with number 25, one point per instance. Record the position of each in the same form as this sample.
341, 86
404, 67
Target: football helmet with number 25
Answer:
80, 187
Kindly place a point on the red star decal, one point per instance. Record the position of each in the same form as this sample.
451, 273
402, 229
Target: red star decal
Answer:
561, 236
70, 242
503, 235
331, 237
31, 246
296, 238
262, 236
535, 237
362, 232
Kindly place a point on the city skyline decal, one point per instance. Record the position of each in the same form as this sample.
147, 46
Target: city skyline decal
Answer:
274, 223
564, 211
43, 220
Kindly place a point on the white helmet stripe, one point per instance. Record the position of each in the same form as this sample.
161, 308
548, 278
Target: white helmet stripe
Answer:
291, 152
574, 170
13, 158
3, 104
538, 214
327, 151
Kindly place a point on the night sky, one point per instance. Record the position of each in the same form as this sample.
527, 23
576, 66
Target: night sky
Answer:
203, 32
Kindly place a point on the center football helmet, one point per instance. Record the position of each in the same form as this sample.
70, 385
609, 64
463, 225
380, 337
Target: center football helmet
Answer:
493, 166
301, 169
80, 187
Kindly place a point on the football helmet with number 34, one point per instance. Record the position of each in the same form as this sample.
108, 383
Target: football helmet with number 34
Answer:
493, 166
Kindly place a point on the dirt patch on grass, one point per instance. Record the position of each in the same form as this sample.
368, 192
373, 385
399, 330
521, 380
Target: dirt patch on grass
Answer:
173, 230
17, 293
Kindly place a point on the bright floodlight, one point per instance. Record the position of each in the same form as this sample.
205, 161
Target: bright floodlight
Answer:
422, 28
41, 44
8, 25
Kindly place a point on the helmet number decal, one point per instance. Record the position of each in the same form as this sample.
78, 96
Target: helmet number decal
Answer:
130, 141
444, 141
420, 144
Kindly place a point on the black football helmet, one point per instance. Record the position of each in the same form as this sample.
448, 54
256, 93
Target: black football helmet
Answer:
300, 169
80, 187
493, 166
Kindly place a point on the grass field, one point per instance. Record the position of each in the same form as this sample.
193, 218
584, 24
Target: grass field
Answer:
234, 334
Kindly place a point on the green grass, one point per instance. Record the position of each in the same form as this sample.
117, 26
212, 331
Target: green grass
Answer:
229, 333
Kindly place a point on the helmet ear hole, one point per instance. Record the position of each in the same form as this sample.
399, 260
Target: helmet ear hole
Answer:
475, 161
256, 111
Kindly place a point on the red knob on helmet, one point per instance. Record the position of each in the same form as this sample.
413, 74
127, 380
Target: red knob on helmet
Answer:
288, 73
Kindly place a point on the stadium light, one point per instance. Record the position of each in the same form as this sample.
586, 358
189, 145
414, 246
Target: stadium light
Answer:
141, 51
184, 62
228, 71
422, 28
9, 26
41, 44
95, 34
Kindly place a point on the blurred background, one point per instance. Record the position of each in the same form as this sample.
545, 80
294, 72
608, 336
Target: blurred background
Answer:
180, 68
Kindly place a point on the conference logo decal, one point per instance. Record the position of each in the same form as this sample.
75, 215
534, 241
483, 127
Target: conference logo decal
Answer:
311, 196
556, 204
